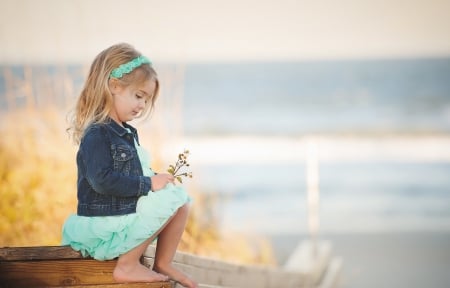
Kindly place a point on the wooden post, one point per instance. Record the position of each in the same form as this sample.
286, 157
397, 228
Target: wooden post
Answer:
312, 184
27, 88
9, 88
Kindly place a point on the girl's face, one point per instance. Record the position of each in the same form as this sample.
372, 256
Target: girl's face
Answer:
129, 101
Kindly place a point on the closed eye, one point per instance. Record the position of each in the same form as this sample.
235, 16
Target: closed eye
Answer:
139, 97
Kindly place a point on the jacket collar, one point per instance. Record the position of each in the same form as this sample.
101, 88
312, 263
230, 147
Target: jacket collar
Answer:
119, 130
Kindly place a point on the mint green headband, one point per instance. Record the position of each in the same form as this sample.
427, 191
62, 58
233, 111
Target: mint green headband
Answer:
129, 66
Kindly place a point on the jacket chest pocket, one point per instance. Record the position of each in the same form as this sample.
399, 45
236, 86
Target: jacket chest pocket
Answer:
123, 158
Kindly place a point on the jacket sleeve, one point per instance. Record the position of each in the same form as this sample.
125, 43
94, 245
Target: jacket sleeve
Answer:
98, 168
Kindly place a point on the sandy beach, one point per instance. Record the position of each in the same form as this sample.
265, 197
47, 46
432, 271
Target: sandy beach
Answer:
388, 259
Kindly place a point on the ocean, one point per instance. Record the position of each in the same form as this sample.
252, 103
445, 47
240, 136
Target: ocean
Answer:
318, 97
382, 128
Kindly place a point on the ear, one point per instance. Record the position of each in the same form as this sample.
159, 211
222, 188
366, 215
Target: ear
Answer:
114, 85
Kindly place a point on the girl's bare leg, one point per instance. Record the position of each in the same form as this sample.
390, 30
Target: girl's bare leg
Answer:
166, 247
129, 268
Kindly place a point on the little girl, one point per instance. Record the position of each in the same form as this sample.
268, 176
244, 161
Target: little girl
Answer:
123, 206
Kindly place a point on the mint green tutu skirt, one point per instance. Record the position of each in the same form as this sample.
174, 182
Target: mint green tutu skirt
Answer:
108, 237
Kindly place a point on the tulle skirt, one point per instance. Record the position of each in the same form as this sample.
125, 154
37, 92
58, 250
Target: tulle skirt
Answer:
105, 238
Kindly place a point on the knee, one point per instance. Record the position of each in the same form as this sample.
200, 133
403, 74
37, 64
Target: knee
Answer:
184, 210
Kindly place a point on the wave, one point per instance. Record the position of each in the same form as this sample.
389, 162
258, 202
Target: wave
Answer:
272, 150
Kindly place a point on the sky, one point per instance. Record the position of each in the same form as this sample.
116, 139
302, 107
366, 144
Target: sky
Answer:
233, 30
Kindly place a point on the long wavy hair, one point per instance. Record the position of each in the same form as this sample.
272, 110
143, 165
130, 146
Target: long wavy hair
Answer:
95, 101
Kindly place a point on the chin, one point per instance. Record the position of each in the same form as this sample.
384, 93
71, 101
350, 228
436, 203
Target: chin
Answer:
132, 117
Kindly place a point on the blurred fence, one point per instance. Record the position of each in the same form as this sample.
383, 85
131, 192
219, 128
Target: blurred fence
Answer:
39, 86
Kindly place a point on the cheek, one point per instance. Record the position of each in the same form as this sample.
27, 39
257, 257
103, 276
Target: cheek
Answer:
122, 103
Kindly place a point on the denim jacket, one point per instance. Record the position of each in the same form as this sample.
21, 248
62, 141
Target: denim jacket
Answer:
110, 179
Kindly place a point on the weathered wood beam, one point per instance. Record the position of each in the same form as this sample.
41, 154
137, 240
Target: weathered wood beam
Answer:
38, 253
59, 266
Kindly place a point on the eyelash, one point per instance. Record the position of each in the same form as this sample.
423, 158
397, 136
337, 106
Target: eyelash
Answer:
139, 97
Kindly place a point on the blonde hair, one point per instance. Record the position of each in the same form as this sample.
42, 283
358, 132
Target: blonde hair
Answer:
95, 101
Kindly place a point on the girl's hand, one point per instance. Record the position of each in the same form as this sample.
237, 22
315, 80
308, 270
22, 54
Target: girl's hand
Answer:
159, 181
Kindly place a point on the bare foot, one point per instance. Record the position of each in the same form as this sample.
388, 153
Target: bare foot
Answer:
176, 275
188, 282
136, 273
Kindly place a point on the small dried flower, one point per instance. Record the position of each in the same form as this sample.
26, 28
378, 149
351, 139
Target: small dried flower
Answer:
181, 162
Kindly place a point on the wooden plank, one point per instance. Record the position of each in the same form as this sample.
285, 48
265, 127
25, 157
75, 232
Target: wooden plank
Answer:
211, 286
56, 272
63, 273
309, 262
59, 266
124, 285
215, 272
331, 278
224, 274
38, 253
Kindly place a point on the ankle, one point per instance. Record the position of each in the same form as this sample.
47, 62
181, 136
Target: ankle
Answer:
126, 265
161, 267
